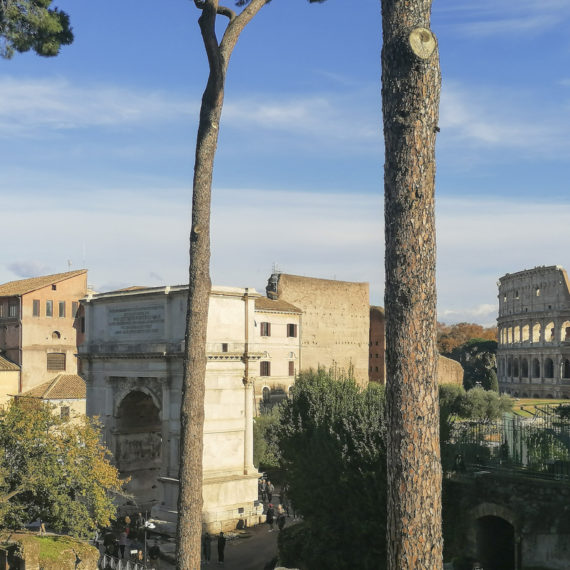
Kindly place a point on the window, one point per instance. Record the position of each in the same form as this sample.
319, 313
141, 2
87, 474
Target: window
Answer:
13, 310
62, 309
2, 311
537, 291
56, 361
224, 346
64, 413
55, 335
54, 287
265, 368
49, 308
36, 308
291, 368
265, 329
74, 306
291, 330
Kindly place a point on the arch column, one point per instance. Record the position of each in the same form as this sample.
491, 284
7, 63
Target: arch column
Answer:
248, 466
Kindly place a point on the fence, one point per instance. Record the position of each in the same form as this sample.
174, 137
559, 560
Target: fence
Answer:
539, 448
107, 562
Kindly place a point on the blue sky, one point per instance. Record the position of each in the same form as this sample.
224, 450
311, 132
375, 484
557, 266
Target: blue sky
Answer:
97, 147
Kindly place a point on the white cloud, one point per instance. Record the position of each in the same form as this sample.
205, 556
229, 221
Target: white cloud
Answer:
126, 237
502, 118
27, 105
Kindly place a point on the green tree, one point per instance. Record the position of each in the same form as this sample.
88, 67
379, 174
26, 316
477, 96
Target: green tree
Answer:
32, 25
189, 529
331, 439
411, 82
54, 469
479, 360
265, 445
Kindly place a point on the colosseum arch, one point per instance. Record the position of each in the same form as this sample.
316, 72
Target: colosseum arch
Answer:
524, 368
549, 332
565, 368
515, 367
536, 333
535, 368
525, 332
548, 368
509, 366
509, 335
565, 332
517, 334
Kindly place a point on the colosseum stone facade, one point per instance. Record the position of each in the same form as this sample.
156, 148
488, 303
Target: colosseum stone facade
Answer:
533, 357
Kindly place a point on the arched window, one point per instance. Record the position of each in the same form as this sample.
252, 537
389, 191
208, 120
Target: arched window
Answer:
517, 334
536, 368
510, 366
549, 332
55, 335
525, 333
524, 368
266, 394
566, 368
536, 333
515, 368
548, 368
565, 332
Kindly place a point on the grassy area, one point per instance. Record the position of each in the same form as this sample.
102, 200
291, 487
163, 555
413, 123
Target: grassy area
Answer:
526, 407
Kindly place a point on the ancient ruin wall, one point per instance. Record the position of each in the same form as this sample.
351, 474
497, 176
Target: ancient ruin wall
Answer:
334, 324
449, 371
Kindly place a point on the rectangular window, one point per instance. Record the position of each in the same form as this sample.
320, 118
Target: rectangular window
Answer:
64, 413
49, 308
224, 346
265, 368
265, 329
2, 311
291, 330
36, 308
56, 361
62, 309
291, 368
82, 324
74, 305
13, 311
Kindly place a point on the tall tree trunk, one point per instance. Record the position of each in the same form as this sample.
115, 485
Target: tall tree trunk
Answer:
190, 501
410, 102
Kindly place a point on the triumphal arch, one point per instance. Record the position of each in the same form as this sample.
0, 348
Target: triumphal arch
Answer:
132, 360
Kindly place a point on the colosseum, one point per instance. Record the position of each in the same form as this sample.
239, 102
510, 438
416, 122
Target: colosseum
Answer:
533, 357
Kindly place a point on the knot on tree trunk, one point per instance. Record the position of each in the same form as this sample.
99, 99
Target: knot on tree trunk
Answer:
422, 42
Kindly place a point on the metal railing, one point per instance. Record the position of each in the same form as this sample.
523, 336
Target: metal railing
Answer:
537, 448
107, 562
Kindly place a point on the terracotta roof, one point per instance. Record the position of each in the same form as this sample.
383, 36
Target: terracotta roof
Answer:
7, 365
62, 387
265, 304
23, 286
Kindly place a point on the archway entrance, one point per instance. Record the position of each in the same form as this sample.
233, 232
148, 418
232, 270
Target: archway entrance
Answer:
138, 446
495, 543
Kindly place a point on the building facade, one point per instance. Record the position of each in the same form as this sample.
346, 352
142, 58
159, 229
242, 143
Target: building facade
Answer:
533, 356
278, 339
133, 365
40, 328
335, 321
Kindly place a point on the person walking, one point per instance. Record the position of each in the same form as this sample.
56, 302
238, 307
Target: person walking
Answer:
123, 543
270, 517
221, 547
207, 547
270, 490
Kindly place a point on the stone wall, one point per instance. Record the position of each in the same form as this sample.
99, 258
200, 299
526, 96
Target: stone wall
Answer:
449, 371
334, 324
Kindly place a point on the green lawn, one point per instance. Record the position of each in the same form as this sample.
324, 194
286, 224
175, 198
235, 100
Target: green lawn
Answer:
525, 407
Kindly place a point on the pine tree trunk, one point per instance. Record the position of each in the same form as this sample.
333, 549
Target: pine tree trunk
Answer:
410, 100
190, 502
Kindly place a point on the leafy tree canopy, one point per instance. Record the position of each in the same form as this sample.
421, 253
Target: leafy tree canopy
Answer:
479, 360
452, 336
331, 440
32, 25
54, 469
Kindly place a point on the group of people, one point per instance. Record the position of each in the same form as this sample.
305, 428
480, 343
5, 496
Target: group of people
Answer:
207, 547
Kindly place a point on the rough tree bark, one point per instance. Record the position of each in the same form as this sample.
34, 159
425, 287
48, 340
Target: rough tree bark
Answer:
410, 103
193, 389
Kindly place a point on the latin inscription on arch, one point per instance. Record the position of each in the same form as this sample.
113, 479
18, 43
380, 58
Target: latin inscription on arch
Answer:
136, 321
